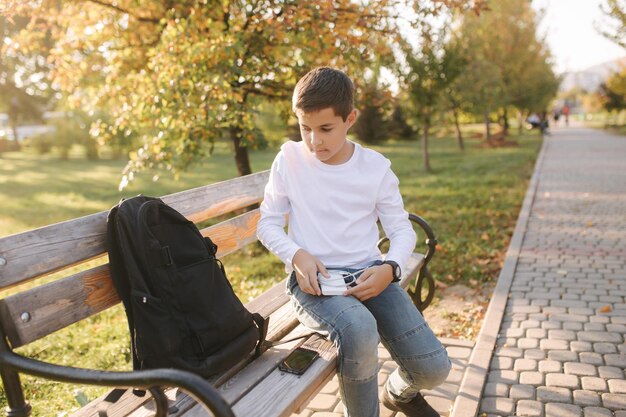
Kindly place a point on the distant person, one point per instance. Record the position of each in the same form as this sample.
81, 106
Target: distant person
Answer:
565, 112
333, 191
537, 122
556, 114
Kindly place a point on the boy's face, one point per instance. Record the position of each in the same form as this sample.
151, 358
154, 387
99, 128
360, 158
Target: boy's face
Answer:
324, 133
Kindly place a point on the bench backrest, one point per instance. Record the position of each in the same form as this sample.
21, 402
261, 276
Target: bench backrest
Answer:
36, 312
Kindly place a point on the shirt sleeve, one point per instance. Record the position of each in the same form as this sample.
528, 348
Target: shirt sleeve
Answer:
274, 209
395, 220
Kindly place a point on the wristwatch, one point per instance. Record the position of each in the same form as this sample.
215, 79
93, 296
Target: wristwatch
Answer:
397, 272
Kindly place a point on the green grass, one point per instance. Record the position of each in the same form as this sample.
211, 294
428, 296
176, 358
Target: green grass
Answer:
471, 200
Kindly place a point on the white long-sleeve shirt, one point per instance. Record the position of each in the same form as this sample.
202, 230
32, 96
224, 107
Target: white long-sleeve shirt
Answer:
332, 209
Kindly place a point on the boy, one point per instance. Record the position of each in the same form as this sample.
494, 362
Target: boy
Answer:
334, 190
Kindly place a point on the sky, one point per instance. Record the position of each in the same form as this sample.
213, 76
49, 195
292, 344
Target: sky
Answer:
570, 33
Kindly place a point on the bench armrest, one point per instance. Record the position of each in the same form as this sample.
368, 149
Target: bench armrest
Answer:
204, 392
423, 274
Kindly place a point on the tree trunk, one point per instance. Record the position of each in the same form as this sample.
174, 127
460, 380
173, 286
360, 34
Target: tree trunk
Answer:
425, 148
505, 124
487, 126
520, 122
241, 152
459, 134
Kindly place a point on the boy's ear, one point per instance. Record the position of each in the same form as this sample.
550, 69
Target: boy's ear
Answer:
351, 119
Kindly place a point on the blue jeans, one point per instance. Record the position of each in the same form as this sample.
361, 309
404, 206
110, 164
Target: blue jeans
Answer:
353, 326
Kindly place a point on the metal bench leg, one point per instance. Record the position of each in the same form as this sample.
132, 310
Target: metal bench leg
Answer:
18, 407
416, 295
160, 400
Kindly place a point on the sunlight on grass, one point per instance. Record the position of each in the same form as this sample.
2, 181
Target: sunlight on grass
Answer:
67, 200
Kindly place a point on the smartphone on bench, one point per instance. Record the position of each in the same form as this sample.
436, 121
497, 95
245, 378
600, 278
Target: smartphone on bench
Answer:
298, 361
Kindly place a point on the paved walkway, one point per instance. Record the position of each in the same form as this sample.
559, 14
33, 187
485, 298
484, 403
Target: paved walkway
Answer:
552, 343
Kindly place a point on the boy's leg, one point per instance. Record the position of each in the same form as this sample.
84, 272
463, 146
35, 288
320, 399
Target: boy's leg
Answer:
422, 359
353, 330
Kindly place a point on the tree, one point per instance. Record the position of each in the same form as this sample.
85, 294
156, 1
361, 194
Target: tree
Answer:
24, 90
428, 74
613, 92
615, 27
371, 125
182, 74
507, 64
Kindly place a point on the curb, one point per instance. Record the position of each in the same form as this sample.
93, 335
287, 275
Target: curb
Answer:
468, 400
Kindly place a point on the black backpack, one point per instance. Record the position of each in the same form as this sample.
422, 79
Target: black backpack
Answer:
181, 309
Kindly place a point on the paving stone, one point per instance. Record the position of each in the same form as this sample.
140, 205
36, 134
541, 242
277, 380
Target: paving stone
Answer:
496, 389
596, 327
562, 410
498, 362
458, 352
548, 366
610, 372
610, 337
563, 356
617, 386
613, 359
580, 369
509, 352
549, 325
536, 354
591, 358
586, 398
618, 328
578, 346
503, 376
573, 326
501, 406
562, 380
525, 365
441, 405
569, 317
536, 333
527, 343
332, 387
597, 412
531, 378
593, 383
614, 401
547, 344
530, 324
323, 402
562, 335
529, 408
554, 394
520, 391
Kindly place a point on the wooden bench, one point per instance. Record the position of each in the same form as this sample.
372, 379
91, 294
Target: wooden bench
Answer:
251, 388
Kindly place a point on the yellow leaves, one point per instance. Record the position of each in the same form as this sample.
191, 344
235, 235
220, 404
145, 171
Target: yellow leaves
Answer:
606, 309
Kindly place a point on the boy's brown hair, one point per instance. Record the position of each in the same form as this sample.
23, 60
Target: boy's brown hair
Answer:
324, 87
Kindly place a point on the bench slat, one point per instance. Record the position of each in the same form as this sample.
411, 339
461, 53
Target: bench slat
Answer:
58, 246
280, 393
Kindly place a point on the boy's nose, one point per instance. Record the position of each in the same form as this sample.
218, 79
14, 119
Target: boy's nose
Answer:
315, 139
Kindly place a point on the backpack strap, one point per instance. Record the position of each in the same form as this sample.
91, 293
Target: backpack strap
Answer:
118, 271
262, 325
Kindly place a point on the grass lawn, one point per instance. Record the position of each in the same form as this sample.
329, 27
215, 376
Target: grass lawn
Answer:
471, 199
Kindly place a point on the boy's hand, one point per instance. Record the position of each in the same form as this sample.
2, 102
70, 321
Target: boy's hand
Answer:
306, 267
372, 282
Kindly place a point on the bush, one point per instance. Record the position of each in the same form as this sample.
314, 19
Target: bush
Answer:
42, 142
